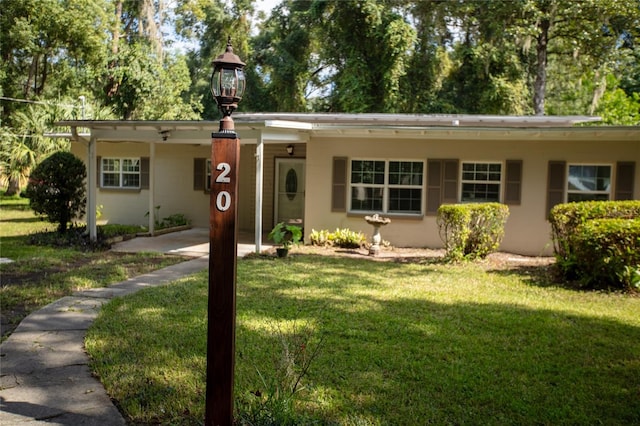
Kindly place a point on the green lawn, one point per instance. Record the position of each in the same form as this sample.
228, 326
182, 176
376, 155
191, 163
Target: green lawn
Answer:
400, 344
41, 274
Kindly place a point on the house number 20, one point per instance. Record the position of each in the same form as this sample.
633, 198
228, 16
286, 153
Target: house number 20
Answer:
223, 199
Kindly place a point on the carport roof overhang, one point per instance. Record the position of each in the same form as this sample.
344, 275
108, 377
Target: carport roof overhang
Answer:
299, 128
181, 132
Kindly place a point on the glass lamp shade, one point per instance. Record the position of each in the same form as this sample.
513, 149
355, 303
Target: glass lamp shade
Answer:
228, 81
228, 84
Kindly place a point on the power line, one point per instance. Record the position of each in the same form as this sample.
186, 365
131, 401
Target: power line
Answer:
27, 101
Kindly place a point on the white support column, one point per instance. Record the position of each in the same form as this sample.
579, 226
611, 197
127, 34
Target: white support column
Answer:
152, 198
92, 188
259, 185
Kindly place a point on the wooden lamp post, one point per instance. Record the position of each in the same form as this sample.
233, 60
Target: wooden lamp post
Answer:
227, 86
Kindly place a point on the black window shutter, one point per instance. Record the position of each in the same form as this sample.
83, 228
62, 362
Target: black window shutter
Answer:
339, 185
557, 174
450, 182
625, 175
513, 182
199, 173
434, 186
99, 171
144, 173
442, 184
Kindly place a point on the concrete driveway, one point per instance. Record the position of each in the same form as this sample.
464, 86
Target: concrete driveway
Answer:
193, 242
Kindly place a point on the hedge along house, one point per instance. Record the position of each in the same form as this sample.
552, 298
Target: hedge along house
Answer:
328, 171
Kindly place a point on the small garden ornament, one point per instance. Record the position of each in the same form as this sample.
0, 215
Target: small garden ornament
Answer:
377, 221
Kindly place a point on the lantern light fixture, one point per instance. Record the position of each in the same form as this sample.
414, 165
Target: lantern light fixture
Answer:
227, 85
290, 149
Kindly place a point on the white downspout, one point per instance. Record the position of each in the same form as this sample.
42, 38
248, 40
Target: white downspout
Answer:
259, 185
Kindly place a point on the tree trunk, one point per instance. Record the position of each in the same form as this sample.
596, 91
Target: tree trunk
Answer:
112, 86
540, 85
14, 187
116, 28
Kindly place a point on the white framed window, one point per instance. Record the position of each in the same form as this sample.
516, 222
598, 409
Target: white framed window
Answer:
120, 173
387, 186
589, 182
481, 182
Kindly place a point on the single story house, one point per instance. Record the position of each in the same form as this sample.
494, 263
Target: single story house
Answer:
328, 171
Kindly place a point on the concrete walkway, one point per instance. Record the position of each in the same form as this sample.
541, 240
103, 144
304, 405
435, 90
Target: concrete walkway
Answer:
44, 372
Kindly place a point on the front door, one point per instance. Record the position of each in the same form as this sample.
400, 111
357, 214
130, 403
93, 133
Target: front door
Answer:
289, 191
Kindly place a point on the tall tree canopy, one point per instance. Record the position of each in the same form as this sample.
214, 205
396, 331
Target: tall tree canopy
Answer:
366, 45
151, 59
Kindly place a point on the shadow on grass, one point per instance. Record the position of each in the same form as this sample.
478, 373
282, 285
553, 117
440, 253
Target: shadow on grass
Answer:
16, 207
26, 220
413, 357
535, 275
408, 362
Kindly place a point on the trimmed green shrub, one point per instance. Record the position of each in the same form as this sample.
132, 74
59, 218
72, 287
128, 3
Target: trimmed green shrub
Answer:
56, 188
471, 231
566, 218
607, 253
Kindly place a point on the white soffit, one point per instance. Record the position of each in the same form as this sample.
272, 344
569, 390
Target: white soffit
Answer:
190, 132
420, 120
290, 128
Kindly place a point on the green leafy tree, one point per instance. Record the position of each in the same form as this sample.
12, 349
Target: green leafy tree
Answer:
56, 188
487, 74
285, 53
617, 107
518, 57
49, 49
142, 81
587, 33
430, 62
24, 145
212, 23
365, 46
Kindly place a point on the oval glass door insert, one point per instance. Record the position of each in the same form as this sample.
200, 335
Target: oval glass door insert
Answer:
291, 184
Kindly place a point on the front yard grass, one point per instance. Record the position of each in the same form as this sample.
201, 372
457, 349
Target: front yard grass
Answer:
402, 344
41, 274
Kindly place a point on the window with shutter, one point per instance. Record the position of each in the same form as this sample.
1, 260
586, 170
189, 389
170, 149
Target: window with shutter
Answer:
120, 173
